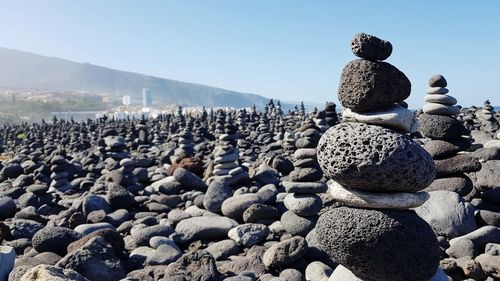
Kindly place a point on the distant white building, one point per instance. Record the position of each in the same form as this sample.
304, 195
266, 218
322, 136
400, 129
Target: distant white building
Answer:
147, 99
126, 100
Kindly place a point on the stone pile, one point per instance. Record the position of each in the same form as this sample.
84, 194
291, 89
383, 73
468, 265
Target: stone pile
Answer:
303, 184
226, 158
327, 117
376, 171
438, 102
486, 118
114, 144
448, 137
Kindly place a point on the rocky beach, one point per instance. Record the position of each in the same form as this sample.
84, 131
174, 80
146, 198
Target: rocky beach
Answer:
374, 192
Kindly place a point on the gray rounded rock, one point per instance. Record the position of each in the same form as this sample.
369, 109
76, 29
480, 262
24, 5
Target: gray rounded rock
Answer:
367, 86
370, 47
303, 204
234, 207
285, 252
364, 240
54, 239
448, 214
441, 127
7, 207
374, 158
297, 225
437, 80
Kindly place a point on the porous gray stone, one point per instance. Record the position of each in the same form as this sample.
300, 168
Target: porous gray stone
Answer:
364, 240
54, 239
375, 159
366, 85
370, 47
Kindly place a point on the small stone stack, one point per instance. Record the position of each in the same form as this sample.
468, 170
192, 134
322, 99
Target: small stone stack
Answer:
289, 143
448, 137
116, 147
225, 157
486, 118
303, 184
437, 100
327, 117
186, 144
376, 171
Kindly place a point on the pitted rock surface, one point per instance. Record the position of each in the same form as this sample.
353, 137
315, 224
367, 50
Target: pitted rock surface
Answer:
366, 85
370, 47
373, 158
364, 240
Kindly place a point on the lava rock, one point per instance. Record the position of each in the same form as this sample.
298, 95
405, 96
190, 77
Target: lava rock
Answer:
193, 266
375, 159
353, 237
54, 239
95, 261
370, 47
367, 86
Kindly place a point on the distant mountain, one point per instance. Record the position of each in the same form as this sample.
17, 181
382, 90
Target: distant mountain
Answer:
31, 71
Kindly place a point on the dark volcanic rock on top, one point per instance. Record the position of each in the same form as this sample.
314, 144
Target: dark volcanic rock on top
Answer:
366, 85
374, 158
437, 80
441, 127
370, 47
365, 240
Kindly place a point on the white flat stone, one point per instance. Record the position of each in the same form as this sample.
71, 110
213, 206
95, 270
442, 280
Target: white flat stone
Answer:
396, 117
442, 99
371, 200
437, 90
440, 109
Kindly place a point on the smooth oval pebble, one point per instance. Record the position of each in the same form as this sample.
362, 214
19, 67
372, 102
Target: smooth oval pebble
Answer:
437, 90
371, 200
440, 109
442, 99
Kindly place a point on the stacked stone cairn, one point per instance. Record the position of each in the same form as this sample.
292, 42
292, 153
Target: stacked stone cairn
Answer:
376, 171
437, 100
487, 119
327, 117
303, 184
448, 138
185, 145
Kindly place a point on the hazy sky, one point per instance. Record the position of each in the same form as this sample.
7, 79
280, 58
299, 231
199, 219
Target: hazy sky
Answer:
285, 49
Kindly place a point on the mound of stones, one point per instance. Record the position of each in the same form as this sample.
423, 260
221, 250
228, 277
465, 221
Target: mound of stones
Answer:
226, 194
303, 184
376, 171
447, 141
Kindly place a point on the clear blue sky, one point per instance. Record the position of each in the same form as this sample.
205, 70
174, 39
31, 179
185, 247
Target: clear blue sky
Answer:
285, 49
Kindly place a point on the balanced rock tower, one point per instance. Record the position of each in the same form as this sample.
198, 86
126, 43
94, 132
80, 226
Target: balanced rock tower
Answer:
303, 184
376, 172
448, 137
